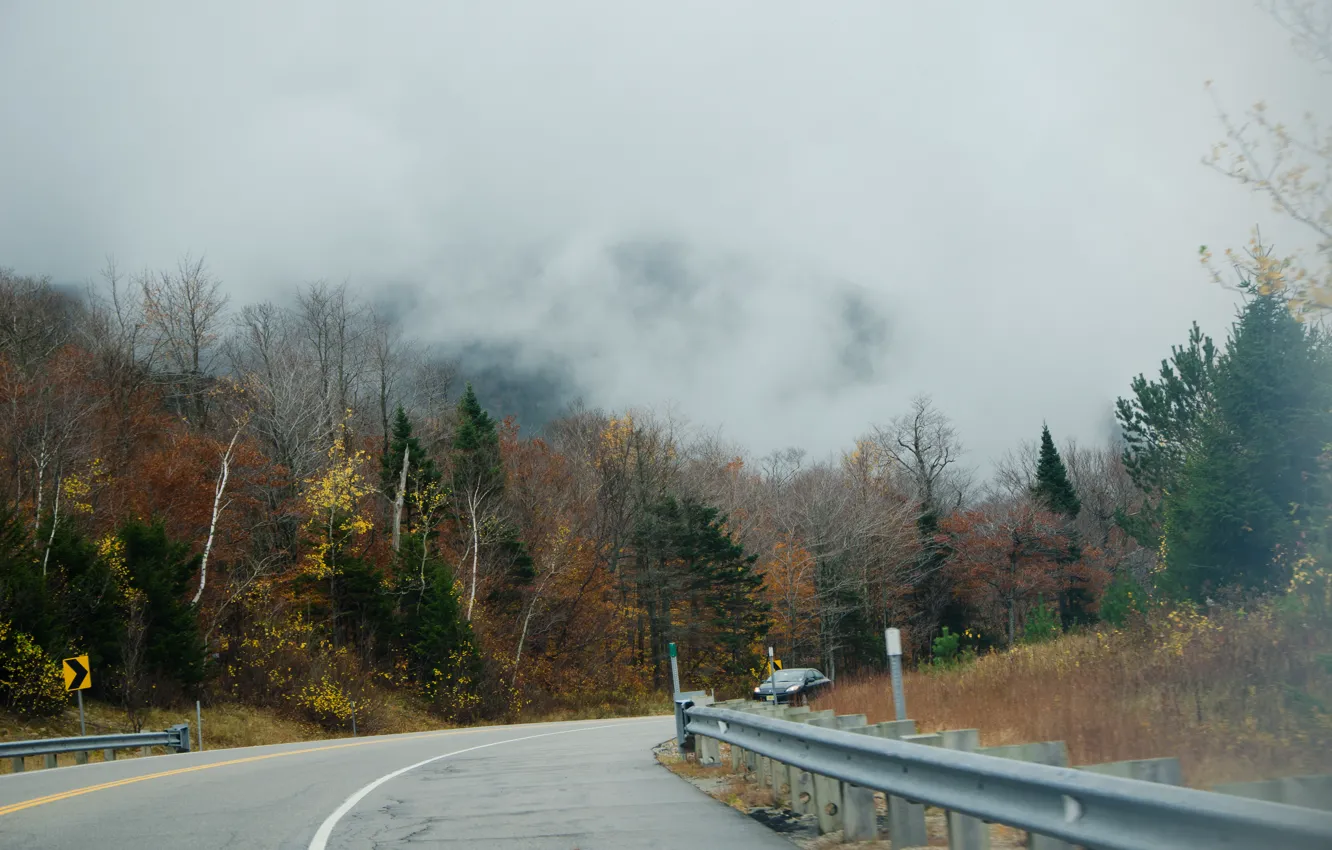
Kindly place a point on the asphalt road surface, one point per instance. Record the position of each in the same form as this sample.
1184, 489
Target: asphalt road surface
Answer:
584, 785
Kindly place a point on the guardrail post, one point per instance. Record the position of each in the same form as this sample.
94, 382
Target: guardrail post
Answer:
1310, 792
682, 704
81, 756
860, 820
709, 751
801, 782
108, 755
1052, 753
776, 777
1163, 770
965, 832
182, 733
827, 791
906, 820
16, 764
50, 760
851, 721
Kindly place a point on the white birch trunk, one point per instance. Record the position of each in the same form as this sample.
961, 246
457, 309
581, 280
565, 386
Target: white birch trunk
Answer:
474, 499
218, 507
55, 518
397, 502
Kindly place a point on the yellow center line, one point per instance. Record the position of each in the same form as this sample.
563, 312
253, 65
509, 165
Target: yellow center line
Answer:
77, 792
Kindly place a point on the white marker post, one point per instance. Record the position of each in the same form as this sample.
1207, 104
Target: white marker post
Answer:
675, 670
893, 637
771, 671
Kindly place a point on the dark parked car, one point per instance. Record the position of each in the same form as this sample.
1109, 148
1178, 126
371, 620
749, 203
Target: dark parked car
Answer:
792, 686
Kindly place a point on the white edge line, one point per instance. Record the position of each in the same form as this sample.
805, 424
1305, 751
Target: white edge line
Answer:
321, 836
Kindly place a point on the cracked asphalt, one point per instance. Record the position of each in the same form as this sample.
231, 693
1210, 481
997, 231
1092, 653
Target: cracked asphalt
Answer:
594, 785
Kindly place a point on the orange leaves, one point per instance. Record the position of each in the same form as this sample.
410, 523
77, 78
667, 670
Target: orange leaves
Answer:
1005, 555
788, 573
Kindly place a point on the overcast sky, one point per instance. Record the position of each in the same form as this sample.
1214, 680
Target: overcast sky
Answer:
786, 218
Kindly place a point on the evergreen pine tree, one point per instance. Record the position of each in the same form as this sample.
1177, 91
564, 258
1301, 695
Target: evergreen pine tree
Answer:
476, 449
1252, 482
433, 628
1055, 493
1052, 490
421, 470
478, 478
687, 563
162, 569
1161, 425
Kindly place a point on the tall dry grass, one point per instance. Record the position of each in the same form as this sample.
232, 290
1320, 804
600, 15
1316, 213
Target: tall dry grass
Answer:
1234, 694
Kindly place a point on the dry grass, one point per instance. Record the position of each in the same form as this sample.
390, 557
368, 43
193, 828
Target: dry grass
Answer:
1234, 695
649, 705
226, 725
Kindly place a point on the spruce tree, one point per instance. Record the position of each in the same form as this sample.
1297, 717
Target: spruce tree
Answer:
161, 569
1161, 424
432, 630
1252, 483
421, 470
1052, 490
478, 480
1055, 493
476, 450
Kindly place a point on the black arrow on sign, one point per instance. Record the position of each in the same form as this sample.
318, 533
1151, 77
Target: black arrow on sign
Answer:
80, 673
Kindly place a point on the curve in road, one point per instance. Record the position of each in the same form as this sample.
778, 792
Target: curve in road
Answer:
584, 785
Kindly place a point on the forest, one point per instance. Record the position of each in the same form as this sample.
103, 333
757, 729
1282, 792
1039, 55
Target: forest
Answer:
293, 505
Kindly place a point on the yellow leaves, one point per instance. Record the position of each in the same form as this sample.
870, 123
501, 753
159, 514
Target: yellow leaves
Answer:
617, 434
111, 549
75, 491
335, 501
326, 701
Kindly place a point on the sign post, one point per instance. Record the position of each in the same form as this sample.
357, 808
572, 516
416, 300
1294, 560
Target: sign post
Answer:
675, 671
770, 667
78, 678
893, 637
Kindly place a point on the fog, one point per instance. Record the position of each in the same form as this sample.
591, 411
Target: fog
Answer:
784, 219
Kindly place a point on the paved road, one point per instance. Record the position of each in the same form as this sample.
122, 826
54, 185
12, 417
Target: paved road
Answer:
583, 785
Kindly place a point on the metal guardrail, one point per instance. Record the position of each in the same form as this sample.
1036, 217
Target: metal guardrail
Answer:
1087, 809
177, 738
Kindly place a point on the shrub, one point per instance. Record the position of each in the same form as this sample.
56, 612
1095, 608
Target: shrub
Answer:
947, 650
30, 681
1124, 599
1042, 624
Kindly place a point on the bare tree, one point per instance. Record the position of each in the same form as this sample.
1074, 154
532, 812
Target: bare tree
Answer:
335, 329
924, 447
390, 359
184, 313
1015, 472
1291, 165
